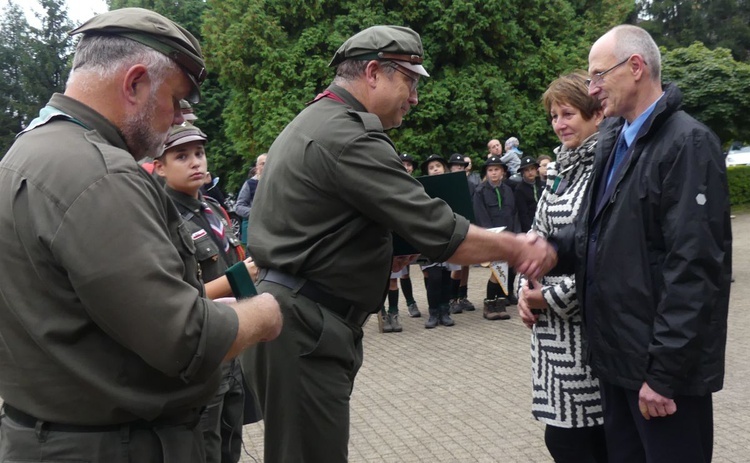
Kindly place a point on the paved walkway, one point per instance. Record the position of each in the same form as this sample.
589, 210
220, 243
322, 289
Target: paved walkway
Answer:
463, 394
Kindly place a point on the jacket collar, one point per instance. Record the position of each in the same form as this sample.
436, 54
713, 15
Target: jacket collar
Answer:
90, 118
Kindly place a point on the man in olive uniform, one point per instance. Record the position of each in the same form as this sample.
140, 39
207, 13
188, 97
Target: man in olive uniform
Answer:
109, 351
327, 261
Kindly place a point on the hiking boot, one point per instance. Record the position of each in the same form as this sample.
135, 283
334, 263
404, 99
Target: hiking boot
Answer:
432, 322
445, 316
490, 310
387, 326
466, 305
455, 307
395, 323
413, 310
501, 304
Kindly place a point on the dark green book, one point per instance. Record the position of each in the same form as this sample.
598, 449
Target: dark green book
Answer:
240, 281
453, 188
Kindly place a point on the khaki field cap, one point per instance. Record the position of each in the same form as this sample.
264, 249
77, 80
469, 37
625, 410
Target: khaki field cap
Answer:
394, 43
154, 31
181, 134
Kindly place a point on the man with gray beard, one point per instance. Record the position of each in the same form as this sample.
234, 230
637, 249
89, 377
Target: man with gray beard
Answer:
108, 348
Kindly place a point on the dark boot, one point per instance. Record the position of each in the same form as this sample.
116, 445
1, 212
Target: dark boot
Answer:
455, 306
490, 309
445, 315
432, 322
501, 305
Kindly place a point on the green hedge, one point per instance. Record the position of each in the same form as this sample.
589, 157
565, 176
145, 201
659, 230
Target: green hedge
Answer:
738, 178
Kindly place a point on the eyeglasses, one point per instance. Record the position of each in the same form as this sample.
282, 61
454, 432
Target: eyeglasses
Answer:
599, 76
414, 81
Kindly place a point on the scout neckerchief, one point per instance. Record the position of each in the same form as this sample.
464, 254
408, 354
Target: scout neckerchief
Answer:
216, 225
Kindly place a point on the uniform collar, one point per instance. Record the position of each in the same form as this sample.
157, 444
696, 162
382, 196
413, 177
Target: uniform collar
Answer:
195, 205
90, 118
347, 97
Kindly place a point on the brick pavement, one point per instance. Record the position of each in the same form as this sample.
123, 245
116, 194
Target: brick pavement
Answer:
463, 394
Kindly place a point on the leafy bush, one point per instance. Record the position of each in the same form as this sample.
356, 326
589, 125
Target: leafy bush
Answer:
738, 178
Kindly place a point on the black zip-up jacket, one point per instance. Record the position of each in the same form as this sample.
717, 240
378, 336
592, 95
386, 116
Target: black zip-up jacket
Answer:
655, 257
527, 197
489, 213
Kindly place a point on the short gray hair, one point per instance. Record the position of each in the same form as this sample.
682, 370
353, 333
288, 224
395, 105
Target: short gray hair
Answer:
630, 40
352, 69
105, 55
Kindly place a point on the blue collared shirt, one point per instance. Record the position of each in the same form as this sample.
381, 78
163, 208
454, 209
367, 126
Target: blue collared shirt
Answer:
629, 131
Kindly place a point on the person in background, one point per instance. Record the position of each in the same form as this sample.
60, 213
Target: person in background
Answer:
246, 195
494, 206
528, 192
181, 164
460, 274
543, 160
437, 275
109, 348
473, 177
565, 394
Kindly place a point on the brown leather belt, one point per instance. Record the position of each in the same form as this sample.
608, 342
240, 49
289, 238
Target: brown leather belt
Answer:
341, 307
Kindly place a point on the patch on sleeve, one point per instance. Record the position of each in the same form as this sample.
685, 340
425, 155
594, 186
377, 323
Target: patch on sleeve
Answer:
199, 234
700, 199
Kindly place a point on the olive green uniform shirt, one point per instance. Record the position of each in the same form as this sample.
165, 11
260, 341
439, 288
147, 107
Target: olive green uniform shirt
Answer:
101, 315
332, 191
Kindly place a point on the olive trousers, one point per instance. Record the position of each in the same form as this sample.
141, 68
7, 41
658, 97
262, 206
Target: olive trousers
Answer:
304, 380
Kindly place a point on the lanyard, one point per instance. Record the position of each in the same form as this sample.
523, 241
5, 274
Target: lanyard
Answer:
499, 198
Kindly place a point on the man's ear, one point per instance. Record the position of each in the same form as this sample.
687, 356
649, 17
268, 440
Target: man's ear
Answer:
136, 85
373, 71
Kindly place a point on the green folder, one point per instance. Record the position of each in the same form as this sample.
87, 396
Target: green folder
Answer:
240, 281
453, 188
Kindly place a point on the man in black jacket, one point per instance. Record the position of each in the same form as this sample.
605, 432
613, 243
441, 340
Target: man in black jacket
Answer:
654, 245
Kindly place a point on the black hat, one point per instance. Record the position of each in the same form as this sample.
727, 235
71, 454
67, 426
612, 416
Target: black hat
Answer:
154, 31
494, 161
527, 161
457, 158
394, 43
433, 157
406, 158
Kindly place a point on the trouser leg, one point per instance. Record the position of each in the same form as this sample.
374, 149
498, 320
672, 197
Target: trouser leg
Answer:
304, 380
686, 436
576, 445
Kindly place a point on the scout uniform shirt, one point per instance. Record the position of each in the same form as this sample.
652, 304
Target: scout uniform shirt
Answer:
325, 208
101, 315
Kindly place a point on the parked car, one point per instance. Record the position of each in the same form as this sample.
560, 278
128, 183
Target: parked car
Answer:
739, 156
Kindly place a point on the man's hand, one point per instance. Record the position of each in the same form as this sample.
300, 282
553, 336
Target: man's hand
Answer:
399, 262
260, 320
533, 256
653, 404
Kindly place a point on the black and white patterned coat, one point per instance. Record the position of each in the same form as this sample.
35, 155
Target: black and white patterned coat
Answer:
564, 392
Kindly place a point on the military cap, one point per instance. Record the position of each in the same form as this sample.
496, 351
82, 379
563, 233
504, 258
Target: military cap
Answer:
155, 31
393, 43
187, 111
181, 134
528, 161
406, 158
457, 158
494, 161
433, 157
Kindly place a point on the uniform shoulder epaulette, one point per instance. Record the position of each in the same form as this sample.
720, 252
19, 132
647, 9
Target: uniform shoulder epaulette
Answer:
369, 120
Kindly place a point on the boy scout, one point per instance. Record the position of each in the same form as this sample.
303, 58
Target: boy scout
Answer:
109, 349
328, 262
183, 166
